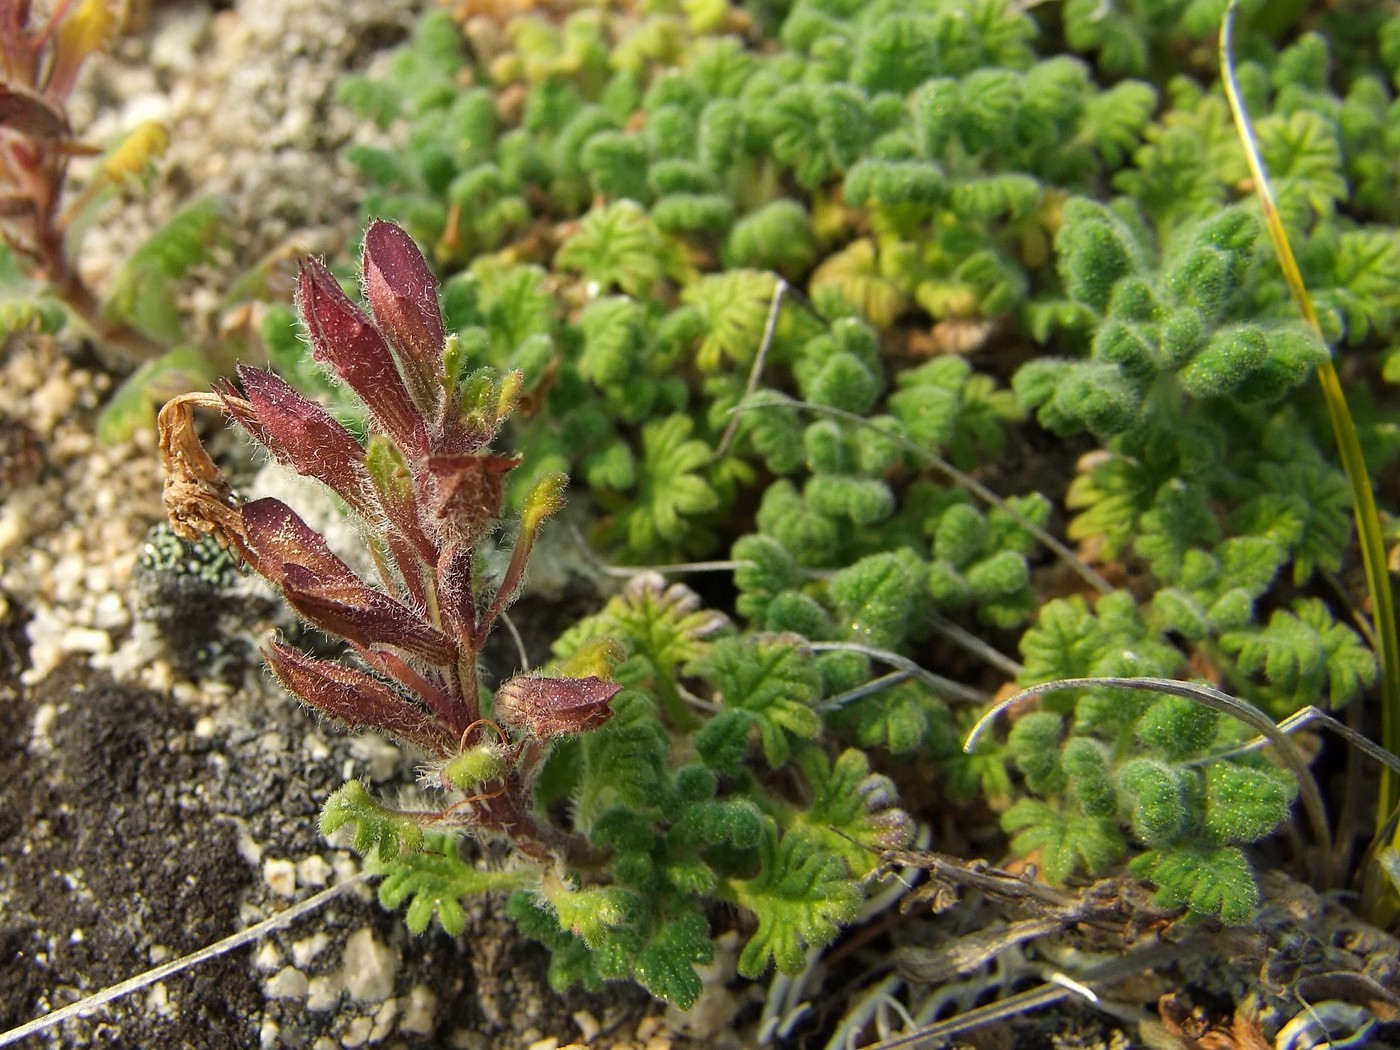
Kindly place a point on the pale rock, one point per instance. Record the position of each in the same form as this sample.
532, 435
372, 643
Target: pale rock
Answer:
280, 876
420, 1015
287, 983
357, 1032
313, 871
369, 967
306, 949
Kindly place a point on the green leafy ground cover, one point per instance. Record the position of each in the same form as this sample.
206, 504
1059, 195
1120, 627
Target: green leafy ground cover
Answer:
820, 260
927, 286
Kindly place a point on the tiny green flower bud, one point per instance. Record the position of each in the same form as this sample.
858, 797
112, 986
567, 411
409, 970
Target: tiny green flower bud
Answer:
475, 767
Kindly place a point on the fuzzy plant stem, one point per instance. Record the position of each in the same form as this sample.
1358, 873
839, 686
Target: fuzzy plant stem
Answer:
40, 175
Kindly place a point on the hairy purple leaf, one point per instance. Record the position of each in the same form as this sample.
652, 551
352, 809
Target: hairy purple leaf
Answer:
402, 294
300, 432
356, 698
327, 592
344, 338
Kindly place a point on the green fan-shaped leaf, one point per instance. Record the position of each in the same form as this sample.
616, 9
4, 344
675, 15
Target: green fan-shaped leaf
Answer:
618, 246
878, 598
434, 881
734, 306
800, 898
1211, 883
774, 680
1067, 845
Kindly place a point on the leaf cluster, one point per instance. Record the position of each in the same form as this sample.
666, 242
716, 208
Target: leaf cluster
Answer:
827, 275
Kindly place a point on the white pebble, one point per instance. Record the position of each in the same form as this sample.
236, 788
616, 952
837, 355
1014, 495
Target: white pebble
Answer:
369, 967
384, 1019
109, 612
420, 1016
323, 992
357, 1032
280, 876
306, 949
86, 640
287, 983
268, 957
313, 871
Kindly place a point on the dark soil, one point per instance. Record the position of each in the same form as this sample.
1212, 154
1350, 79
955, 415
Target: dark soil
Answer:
123, 831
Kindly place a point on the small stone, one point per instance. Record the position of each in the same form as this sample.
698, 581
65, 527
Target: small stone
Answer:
323, 992
110, 612
281, 877
51, 402
315, 747
384, 1019
369, 967
287, 983
357, 1032
306, 949
268, 958
420, 1015
313, 871
45, 715
86, 640
159, 1000
588, 1025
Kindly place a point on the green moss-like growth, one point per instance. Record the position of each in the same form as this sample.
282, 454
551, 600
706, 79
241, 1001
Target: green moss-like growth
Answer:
828, 287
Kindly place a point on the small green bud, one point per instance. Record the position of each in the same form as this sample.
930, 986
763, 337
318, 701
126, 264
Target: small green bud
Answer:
1096, 250
1133, 300
1100, 396
1228, 360
588, 914
595, 658
452, 357
545, 499
1176, 728
1034, 740
960, 536
1003, 574
469, 770
1183, 334
798, 613
1129, 347
388, 470
508, 393
476, 392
